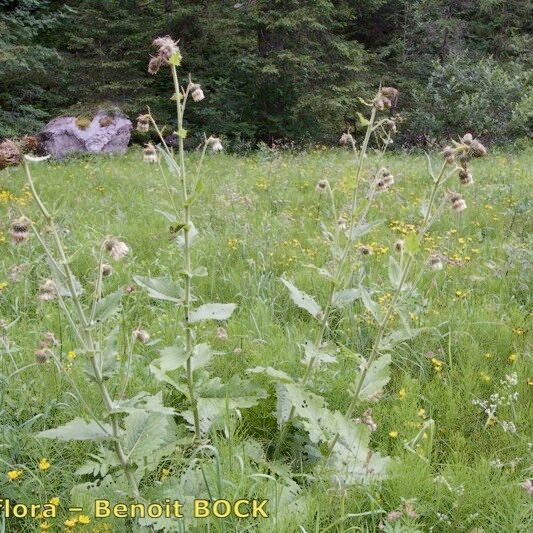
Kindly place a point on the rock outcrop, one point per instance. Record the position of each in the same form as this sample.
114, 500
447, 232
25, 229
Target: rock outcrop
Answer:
105, 132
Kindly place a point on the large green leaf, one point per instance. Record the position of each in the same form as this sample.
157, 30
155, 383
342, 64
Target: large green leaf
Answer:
376, 378
302, 300
108, 306
144, 434
212, 312
78, 429
345, 297
105, 358
161, 288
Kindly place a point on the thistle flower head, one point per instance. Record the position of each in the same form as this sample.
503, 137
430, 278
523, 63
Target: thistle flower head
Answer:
435, 263
196, 92
143, 123
342, 223
368, 420
115, 248
390, 92
166, 46
364, 250
10, 154
448, 154
106, 270
477, 149
149, 153
215, 144
43, 356
154, 64
467, 138
221, 334
141, 336
47, 291
346, 138
457, 201
19, 229
322, 186
399, 245
465, 176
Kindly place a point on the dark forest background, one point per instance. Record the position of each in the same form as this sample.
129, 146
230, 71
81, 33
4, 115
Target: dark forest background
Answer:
275, 69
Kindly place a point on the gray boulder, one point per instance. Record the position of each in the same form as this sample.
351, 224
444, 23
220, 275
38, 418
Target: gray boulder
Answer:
106, 132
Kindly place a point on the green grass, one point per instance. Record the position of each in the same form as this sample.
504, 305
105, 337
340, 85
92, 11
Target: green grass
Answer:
258, 219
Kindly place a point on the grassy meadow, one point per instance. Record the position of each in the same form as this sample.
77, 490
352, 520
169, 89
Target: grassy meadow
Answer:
259, 218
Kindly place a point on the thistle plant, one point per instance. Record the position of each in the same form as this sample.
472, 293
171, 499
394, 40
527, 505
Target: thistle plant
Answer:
124, 463
345, 451
184, 365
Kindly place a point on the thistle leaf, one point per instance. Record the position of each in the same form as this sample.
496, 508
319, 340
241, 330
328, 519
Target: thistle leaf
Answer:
78, 429
303, 300
161, 288
212, 312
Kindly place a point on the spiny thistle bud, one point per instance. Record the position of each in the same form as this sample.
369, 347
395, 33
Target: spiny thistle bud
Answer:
322, 186
215, 144
166, 46
10, 154
364, 250
141, 335
399, 245
477, 149
390, 92
47, 291
149, 153
115, 248
221, 334
379, 103
106, 270
196, 92
448, 154
435, 263
143, 123
19, 229
346, 138
458, 203
43, 356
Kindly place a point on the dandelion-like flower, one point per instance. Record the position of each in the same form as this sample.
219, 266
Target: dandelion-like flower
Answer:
115, 248
47, 291
149, 153
141, 335
10, 154
143, 123
196, 92
19, 229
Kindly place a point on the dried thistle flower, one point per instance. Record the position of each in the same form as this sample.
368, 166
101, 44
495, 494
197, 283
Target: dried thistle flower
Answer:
448, 154
43, 356
106, 270
149, 153
467, 138
47, 291
399, 245
154, 65
115, 248
388, 178
435, 263
322, 186
342, 224
19, 229
390, 92
141, 335
221, 334
196, 92
364, 250
465, 176
166, 46
143, 123
458, 203
10, 154
346, 138
215, 144
477, 149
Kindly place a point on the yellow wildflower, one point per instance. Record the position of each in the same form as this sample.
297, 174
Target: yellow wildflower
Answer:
83, 519
512, 357
422, 412
54, 501
45, 526
484, 377
402, 393
393, 434
71, 355
14, 474
70, 523
44, 464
